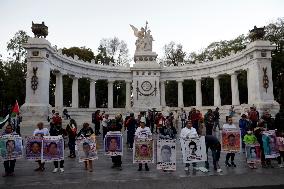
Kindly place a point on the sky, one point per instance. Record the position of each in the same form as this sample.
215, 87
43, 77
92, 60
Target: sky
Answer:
194, 24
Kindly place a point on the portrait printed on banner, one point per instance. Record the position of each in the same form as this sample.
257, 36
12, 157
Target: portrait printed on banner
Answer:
270, 146
33, 148
166, 154
143, 151
11, 147
53, 148
113, 144
194, 150
231, 141
87, 149
253, 153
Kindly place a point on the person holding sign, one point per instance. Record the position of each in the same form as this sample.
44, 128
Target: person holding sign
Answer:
143, 132
9, 165
231, 141
250, 139
40, 132
186, 133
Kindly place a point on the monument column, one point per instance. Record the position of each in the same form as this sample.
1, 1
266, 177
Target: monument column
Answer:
127, 95
180, 93
163, 97
92, 102
217, 97
235, 89
110, 94
59, 91
75, 92
198, 92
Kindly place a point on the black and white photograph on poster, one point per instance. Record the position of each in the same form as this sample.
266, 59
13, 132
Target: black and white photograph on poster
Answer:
193, 150
166, 154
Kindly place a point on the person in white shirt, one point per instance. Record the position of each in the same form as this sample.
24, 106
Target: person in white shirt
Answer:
231, 138
187, 133
40, 131
143, 132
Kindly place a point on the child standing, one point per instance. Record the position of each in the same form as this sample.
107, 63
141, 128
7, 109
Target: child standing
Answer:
250, 139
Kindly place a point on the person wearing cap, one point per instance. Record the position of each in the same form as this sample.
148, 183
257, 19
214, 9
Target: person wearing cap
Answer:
143, 132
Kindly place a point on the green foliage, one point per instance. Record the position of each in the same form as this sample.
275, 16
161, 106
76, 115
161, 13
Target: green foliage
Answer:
225, 89
101, 93
102, 57
16, 45
85, 54
84, 92
243, 88
207, 89
173, 54
119, 90
67, 91
189, 94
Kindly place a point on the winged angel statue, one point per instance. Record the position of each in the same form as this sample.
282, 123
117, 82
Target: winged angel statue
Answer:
144, 38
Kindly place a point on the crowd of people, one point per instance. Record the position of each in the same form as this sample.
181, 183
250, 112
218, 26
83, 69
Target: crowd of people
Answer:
166, 126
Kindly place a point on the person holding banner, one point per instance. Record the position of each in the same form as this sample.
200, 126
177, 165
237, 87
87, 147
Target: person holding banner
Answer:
231, 140
186, 133
9, 165
87, 131
250, 139
143, 132
40, 132
57, 130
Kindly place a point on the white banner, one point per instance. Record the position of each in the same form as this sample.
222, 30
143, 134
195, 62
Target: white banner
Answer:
166, 154
193, 150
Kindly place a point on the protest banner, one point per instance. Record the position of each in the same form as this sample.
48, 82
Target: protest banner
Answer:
143, 151
87, 148
253, 153
270, 147
193, 150
52, 148
11, 147
166, 154
231, 140
33, 147
113, 144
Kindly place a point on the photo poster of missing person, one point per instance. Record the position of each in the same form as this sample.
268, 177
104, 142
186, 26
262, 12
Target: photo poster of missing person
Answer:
52, 148
113, 144
253, 153
33, 147
231, 140
143, 151
11, 147
270, 146
193, 150
166, 154
87, 148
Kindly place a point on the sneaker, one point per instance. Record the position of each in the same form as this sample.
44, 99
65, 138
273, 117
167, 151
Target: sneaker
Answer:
233, 164
186, 168
55, 170
61, 170
228, 164
219, 170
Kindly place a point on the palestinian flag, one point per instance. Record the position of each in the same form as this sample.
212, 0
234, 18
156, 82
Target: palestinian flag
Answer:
3, 121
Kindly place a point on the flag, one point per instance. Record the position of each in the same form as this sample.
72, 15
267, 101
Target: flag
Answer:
3, 121
16, 108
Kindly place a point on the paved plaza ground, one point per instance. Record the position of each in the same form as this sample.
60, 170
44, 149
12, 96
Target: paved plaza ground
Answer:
104, 177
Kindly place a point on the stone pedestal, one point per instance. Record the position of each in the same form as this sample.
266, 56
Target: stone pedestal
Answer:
36, 107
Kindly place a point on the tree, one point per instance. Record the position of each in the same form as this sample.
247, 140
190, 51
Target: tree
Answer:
85, 54
16, 45
102, 57
115, 49
173, 54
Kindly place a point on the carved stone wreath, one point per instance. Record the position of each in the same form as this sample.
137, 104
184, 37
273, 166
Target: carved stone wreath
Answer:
34, 80
146, 86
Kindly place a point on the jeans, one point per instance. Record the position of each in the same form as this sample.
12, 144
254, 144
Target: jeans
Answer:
9, 166
97, 128
182, 123
71, 145
56, 164
130, 138
209, 129
230, 155
116, 160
